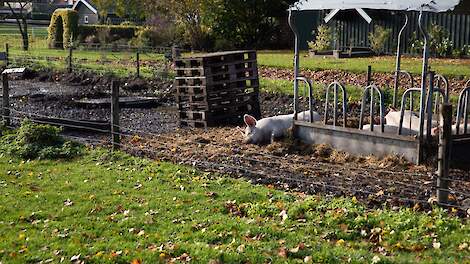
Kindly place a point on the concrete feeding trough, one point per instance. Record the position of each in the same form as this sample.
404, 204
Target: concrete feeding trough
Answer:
124, 102
416, 146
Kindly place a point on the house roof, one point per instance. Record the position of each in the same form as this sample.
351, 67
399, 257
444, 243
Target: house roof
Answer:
87, 3
417, 5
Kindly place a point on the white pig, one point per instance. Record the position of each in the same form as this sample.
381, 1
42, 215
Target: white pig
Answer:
393, 120
265, 130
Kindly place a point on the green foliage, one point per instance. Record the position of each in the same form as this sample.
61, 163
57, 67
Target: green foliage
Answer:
323, 39
440, 44
63, 28
108, 33
39, 141
378, 38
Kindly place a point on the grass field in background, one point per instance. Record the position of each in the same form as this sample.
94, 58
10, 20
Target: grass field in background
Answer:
284, 59
105, 208
33, 30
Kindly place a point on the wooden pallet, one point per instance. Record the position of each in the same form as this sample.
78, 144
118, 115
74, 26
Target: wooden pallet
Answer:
218, 79
217, 88
202, 103
252, 84
216, 59
216, 69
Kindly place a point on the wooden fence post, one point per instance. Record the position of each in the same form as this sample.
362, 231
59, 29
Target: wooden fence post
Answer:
445, 144
115, 130
5, 100
70, 59
137, 63
7, 48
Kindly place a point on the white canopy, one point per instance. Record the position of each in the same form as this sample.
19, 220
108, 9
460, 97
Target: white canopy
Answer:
416, 5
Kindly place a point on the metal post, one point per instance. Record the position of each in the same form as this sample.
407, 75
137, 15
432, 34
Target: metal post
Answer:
398, 64
445, 144
115, 131
175, 52
424, 75
137, 63
296, 62
372, 109
70, 59
369, 75
6, 100
429, 105
7, 48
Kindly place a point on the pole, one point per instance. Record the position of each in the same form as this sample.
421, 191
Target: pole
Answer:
115, 131
445, 144
7, 48
70, 59
424, 76
398, 63
6, 100
296, 62
369, 75
138, 64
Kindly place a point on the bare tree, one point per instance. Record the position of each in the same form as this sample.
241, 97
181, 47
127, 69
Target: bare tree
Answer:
19, 11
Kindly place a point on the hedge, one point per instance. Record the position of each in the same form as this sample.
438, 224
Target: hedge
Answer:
115, 31
59, 35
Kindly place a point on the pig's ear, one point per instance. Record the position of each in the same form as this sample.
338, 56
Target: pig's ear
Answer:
250, 121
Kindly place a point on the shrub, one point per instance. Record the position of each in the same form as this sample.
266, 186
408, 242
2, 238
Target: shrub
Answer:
39, 141
111, 32
323, 40
63, 28
440, 44
379, 38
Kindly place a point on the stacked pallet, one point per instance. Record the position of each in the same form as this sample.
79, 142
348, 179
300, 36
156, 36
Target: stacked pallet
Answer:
217, 88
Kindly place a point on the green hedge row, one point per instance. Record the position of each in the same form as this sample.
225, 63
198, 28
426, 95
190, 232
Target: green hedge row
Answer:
63, 27
114, 31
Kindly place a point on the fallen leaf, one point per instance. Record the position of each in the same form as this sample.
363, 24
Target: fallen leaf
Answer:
136, 261
68, 202
375, 259
282, 252
75, 257
241, 248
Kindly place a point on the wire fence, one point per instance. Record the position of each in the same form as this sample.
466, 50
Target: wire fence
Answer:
120, 60
373, 185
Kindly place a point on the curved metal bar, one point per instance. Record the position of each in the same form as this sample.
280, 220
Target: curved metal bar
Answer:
370, 89
424, 75
407, 93
440, 79
410, 78
336, 85
296, 62
398, 63
463, 103
310, 94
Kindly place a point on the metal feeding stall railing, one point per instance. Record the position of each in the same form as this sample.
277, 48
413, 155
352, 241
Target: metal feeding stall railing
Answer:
381, 143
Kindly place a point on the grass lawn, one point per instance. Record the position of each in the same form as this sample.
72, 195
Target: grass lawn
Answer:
104, 208
284, 59
33, 30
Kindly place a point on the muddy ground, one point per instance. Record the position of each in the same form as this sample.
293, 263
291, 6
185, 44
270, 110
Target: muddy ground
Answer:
456, 84
286, 164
